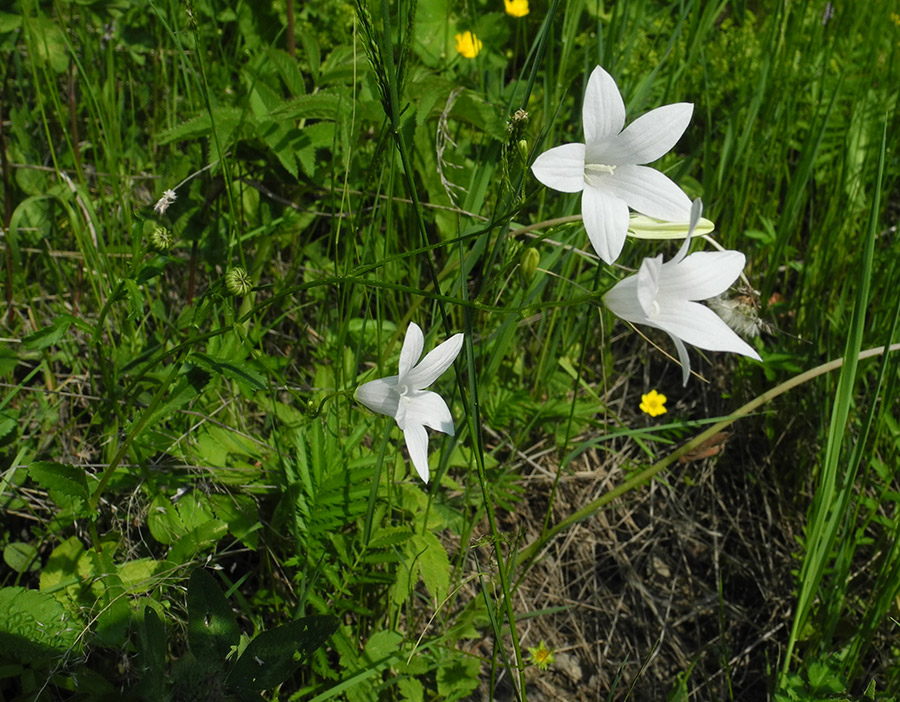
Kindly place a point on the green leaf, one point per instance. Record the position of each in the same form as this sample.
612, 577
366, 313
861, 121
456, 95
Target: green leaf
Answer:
288, 70
457, 679
48, 336
67, 485
9, 420
226, 118
246, 373
9, 22
321, 105
34, 626
212, 627
135, 299
151, 654
434, 565
198, 540
269, 659
21, 557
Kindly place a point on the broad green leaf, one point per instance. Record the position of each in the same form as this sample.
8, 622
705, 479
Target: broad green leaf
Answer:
197, 540
434, 565
21, 557
269, 658
34, 626
457, 678
151, 653
9, 22
138, 575
212, 627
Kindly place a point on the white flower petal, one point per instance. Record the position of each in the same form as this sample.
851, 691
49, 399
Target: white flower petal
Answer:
701, 275
606, 222
649, 136
380, 395
648, 279
561, 168
603, 111
622, 300
417, 444
429, 408
683, 358
696, 211
699, 326
435, 363
649, 192
412, 348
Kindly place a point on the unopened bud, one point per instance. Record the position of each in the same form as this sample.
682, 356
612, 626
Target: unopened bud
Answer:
161, 239
523, 148
528, 265
237, 282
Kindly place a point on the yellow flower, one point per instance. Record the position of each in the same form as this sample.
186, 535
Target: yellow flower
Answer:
653, 403
516, 8
468, 44
541, 656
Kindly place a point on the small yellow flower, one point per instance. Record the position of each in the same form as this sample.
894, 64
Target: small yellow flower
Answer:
468, 44
541, 656
516, 8
653, 403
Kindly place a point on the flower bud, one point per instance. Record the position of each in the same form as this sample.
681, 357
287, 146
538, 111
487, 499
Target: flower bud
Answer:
161, 239
523, 149
237, 282
528, 264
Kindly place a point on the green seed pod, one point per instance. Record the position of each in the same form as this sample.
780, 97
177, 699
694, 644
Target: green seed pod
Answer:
528, 264
237, 282
161, 239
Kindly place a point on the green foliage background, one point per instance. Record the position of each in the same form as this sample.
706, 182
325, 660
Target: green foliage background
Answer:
365, 175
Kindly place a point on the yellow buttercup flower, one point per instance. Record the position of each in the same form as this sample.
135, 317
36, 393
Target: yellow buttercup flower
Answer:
541, 656
516, 8
468, 44
653, 403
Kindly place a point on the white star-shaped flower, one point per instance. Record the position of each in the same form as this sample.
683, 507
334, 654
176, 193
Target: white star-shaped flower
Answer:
606, 168
404, 397
663, 295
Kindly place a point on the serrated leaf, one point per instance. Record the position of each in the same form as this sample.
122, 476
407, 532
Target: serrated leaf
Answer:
212, 627
288, 70
9, 420
227, 120
321, 105
269, 658
66, 484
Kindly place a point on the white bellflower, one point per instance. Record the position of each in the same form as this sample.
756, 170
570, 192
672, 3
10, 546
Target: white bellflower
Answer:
663, 295
404, 397
606, 168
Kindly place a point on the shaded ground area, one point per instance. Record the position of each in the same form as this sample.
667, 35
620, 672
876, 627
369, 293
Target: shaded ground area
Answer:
687, 578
